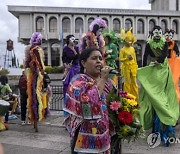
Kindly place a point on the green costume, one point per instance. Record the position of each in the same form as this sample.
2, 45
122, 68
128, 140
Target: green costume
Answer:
157, 93
111, 58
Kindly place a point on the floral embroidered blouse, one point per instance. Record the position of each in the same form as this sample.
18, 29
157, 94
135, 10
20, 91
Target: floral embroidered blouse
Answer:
88, 112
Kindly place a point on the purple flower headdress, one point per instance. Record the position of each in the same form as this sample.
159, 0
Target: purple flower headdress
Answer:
36, 38
98, 21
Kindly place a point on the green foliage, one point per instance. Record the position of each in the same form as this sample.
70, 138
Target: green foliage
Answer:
54, 69
4, 71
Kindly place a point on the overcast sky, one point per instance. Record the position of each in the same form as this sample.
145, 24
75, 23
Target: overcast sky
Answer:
9, 23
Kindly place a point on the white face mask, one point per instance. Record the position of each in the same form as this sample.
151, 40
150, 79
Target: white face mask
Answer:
72, 40
157, 32
168, 36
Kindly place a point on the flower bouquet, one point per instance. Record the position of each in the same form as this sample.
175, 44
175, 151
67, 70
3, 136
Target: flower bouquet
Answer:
123, 113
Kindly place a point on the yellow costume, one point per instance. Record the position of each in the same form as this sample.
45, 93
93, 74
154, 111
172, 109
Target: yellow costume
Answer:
129, 64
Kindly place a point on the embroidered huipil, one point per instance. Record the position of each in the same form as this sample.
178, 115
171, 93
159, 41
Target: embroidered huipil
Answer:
88, 112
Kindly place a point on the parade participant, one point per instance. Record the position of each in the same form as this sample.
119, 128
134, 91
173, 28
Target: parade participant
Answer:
88, 122
93, 37
173, 59
111, 50
5, 93
70, 60
23, 96
158, 102
127, 57
34, 65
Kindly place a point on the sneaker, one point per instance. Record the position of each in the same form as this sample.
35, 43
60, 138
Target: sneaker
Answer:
23, 123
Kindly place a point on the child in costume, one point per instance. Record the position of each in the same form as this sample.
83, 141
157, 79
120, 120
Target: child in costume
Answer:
127, 57
173, 59
159, 109
34, 65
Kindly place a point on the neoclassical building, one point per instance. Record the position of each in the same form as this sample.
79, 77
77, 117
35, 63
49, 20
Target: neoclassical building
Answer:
55, 23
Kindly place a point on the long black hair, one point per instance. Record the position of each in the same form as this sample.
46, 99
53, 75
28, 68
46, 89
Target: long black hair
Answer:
85, 54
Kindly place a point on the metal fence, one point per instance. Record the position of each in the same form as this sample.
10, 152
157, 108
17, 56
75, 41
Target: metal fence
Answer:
57, 97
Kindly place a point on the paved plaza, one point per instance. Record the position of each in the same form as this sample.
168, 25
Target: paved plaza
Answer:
52, 138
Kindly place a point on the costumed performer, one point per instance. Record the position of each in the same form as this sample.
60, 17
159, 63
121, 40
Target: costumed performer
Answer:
70, 60
94, 38
34, 65
173, 59
159, 109
127, 57
111, 49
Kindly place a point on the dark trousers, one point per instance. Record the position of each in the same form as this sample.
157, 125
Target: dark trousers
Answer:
23, 106
6, 116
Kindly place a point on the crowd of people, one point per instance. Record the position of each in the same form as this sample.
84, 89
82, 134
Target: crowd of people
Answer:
88, 78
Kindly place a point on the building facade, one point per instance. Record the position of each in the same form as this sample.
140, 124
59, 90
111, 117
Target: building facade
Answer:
55, 23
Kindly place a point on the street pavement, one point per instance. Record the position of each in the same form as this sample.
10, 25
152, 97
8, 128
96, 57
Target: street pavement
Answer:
52, 138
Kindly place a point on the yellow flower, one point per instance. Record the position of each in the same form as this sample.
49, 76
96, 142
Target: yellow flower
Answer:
126, 108
132, 102
125, 130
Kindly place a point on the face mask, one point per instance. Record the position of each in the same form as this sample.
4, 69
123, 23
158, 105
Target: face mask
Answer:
72, 40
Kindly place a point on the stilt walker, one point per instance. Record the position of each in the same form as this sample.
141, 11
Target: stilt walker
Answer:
35, 71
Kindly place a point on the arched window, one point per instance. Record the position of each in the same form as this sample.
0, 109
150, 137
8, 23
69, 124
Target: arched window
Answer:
163, 25
53, 24
55, 54
151, 24
90, 20
40, 24
138, 49
79, 25
128, 24
105, 20
66, 25
140, 26
116, 25
175, 26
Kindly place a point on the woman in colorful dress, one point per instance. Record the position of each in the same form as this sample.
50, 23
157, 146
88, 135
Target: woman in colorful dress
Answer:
85, 101
159, 108
34, 64
70, 60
